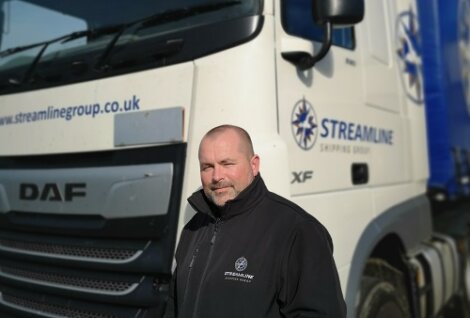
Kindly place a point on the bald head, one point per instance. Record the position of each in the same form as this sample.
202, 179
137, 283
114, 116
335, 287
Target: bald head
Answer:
244, 139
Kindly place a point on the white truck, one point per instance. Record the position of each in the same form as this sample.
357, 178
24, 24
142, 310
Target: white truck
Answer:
102, 107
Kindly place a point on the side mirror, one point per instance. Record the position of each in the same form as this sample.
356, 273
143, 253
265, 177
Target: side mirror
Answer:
338, 12
328, 13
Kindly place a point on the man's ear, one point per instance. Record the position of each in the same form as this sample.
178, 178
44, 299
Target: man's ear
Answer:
254, 162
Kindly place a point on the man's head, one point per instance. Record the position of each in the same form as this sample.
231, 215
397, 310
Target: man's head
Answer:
227, 163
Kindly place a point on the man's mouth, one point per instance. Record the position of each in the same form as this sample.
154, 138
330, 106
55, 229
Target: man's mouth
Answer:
220, 188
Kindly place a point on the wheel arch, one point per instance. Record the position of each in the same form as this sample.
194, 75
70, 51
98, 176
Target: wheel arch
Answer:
389, 236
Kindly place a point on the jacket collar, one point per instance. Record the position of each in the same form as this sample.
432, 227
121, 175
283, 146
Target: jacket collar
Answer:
244, 202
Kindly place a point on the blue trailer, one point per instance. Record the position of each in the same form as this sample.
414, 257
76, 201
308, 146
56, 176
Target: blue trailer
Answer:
445, 54
445, 47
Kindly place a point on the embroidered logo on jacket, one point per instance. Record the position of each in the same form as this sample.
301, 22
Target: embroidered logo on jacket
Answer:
240, 265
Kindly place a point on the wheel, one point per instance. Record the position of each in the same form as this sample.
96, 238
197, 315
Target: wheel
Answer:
466, 274
383, 292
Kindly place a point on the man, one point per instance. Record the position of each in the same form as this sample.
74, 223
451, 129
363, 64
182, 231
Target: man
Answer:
249, 252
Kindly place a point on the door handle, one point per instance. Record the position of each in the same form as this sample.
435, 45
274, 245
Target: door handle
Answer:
360, 173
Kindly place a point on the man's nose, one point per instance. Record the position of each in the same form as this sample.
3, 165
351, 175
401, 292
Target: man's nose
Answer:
217, 173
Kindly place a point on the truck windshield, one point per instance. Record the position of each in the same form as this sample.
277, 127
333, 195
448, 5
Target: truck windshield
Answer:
46, 43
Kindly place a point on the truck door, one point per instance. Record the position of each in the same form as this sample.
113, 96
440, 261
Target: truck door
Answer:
343, 119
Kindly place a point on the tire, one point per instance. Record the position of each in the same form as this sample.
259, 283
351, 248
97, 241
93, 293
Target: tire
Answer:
383, 293
466, 277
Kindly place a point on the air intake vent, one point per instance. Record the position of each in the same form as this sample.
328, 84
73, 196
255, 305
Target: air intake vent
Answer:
105, 254
49, 309
72, 282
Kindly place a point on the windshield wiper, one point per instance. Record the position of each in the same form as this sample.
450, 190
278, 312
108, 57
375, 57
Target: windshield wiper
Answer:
45, 44
67, 37
157, 19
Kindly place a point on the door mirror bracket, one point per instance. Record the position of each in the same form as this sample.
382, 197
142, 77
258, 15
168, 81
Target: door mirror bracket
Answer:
304, 60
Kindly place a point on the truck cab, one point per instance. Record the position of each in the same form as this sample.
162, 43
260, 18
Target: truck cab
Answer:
102, 109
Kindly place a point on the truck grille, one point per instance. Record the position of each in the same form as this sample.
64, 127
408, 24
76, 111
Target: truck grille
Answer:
105, 254
67, 281
91, 271
48, 309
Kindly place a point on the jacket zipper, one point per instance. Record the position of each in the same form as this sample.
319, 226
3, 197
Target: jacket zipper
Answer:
185, 296
204, 273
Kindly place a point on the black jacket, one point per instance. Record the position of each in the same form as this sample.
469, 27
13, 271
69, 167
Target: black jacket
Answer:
260, 256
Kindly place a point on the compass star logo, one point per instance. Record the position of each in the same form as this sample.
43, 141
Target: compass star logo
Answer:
241, 264
464, 48
409, 55
304, 124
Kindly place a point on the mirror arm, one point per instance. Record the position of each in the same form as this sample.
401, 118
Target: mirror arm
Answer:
304, 60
